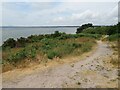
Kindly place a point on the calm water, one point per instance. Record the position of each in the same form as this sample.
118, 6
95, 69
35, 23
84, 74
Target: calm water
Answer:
16, 32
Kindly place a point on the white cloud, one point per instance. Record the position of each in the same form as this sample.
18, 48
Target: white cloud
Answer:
58, 19
114, 12
85, 15
60, 14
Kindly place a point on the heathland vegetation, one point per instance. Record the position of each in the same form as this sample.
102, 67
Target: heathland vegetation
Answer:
41, 48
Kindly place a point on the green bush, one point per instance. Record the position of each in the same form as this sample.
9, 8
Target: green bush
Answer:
114, 37
17, 56
52, 54
9, 43
25, 53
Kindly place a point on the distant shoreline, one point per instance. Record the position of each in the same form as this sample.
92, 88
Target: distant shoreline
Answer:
35, 26
47, 26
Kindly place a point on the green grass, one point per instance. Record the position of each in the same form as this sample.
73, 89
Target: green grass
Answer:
86, 46
95, 36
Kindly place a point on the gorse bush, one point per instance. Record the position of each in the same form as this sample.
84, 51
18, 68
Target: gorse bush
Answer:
114, 37
25, 53
9, 43
52, 54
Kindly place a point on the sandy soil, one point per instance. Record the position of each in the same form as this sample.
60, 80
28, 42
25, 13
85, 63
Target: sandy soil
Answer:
94, 71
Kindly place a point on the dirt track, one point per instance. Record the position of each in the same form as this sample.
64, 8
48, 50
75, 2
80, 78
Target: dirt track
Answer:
94, 71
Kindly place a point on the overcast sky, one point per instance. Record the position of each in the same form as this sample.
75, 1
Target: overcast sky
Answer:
59, 13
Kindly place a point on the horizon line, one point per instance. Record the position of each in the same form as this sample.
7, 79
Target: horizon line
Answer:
53, 26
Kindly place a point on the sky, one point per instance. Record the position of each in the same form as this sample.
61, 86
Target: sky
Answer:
59, 13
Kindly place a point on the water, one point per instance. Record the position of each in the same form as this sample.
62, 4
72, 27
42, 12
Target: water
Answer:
17, 32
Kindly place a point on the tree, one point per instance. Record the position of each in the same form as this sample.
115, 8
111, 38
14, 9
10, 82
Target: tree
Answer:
81, 28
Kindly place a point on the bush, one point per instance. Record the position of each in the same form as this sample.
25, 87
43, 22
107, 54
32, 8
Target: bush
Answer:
25, 53
114, 37
21, 42
9, 43
52, 54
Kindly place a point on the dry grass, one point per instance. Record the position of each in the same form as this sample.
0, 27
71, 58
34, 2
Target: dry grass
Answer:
114, 59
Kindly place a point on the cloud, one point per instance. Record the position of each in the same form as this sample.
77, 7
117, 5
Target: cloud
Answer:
114, 12
109, 17
85, 15
58, 19
59, 13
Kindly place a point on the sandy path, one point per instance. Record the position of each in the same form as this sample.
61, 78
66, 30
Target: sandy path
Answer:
92, 72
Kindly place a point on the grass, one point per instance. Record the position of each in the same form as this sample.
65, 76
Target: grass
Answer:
114, 59
95, 36
48, 48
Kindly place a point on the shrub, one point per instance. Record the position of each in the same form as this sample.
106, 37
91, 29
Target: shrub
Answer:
21, 42
52, 54
25, 53
9, 43
17, 56
114, 37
